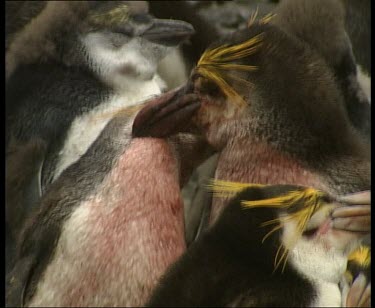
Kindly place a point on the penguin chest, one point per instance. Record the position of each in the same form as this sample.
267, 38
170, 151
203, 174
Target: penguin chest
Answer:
86, 128
323, 267
327, 295
116, 245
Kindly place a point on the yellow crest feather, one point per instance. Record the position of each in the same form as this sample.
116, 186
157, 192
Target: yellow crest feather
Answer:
361, 256
222, 188
312, 201
215, 63
267, 18
117, 15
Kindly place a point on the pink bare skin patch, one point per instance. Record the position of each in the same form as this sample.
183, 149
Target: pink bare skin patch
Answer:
117, 244
249, 161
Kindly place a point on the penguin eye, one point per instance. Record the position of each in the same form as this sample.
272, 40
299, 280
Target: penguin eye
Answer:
207, 87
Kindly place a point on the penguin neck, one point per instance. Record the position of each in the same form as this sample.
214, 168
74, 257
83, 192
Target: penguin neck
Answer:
252, 161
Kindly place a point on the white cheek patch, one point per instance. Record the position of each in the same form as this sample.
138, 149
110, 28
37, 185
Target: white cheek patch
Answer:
173, 69
118, 66
317, 262
322, 266
289, 235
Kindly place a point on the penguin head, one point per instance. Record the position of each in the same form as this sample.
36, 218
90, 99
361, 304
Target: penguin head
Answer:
110, 38
119, 43
321, 25
286, 224
262, 83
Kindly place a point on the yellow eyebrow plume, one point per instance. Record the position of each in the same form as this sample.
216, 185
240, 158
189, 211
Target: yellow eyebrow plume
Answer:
222, 188
115, 16
311, 198
309, 195
361, 256
311, 203
215, 63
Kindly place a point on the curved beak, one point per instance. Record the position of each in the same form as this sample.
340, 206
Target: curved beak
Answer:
166, 115
168, 32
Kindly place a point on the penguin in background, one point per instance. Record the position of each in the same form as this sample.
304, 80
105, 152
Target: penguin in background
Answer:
108, 227
69, 66
330, 38
114, 53
211, 20
239, 262
358, 21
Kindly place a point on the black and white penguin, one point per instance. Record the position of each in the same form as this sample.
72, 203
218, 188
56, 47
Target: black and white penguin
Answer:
68, 69
110, 55
108, 227
235, 262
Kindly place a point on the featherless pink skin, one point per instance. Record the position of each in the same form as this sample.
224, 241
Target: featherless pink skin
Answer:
131, 229
249, 160
129, 232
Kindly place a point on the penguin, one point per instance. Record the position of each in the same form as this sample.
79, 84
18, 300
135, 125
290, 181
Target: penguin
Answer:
271, 107
108, 227
112, 58
235, 263
269, 132
330, 38
67, 70
212, 20
358, 21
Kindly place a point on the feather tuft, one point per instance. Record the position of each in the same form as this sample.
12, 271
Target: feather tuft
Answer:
222, 188
116, 16
309, 199
361, 256
215, 64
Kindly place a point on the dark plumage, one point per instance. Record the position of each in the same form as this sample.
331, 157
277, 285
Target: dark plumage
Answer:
231, 266
23, 188
329, 37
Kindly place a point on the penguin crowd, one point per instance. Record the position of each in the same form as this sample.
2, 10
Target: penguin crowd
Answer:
119, 112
